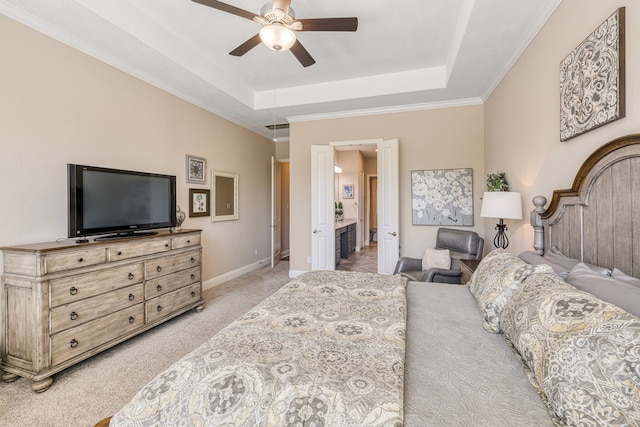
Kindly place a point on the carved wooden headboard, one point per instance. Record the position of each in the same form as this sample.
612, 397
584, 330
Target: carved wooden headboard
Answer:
597, 220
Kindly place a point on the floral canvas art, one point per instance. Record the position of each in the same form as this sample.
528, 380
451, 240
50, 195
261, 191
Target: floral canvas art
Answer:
442, 197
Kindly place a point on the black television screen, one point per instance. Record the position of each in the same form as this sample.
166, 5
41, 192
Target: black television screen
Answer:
117, 201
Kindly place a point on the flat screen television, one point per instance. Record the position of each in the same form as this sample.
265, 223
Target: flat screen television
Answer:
124, 203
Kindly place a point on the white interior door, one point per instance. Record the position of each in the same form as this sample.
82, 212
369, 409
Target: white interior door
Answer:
388, 206
323, 241
360, 227
276, 210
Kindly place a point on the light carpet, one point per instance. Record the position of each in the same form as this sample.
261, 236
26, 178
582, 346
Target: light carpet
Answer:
98, 387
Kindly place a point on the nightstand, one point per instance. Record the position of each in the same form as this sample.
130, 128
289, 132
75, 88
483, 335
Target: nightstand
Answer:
468, 266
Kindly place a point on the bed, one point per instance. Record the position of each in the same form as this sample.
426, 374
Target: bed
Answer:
326, 349
358, 349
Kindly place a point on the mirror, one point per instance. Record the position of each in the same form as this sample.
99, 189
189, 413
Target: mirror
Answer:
224, 187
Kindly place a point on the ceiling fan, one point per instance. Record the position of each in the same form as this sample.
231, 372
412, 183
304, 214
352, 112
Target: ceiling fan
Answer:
279, 25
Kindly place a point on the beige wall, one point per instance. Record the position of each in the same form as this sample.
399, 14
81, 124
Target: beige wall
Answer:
522, 115
348, 161
429, 139
61, 106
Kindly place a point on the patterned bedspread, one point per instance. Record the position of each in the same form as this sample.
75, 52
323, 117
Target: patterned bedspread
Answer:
327, 349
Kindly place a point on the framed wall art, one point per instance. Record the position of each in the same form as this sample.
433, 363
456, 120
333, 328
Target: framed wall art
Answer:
592, 80
347, 191
199, 202
196, 170
442, 197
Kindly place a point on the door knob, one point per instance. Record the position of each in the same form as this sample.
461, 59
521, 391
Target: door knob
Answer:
394, 234
316, 231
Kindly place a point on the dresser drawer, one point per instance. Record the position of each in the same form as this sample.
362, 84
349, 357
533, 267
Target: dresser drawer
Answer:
132, 250
79, 312
166, 304
171, 282
76, 259
80, 286
75, 341
170, 264
186, 241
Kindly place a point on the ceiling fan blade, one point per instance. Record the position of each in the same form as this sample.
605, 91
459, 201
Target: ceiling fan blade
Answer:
226, 8
328, 24
246, 46
301, 53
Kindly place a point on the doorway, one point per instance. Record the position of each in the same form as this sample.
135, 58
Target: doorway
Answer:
323, 199
359, 164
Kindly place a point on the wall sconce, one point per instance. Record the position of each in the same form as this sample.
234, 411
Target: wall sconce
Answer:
337, 168
502, 205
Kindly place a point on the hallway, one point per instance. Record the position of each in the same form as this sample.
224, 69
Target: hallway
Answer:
365, 261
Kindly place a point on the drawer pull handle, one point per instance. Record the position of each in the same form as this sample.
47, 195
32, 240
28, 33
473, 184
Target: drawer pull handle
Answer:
131, 319
73, 343
193, 293
80, 259
119, 253
159, 308
188, 241
131, 297
158, 269
73, 290
193, 276
131, 276
166, 245
73, 315
159, 288
193, 260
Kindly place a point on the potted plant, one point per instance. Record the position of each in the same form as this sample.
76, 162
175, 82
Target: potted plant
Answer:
339, 211
497, 182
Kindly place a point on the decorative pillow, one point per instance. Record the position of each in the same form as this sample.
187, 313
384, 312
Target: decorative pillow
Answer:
624, 277
533, 258
611, 289
436, 258
582, 351
495, 279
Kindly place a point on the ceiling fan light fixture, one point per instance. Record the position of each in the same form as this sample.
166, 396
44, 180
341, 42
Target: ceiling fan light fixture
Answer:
277, 37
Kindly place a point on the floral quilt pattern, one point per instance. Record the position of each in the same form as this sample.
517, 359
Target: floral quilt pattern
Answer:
327, 349
583, 352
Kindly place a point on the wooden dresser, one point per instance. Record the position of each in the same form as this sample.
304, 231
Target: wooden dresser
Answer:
63, 302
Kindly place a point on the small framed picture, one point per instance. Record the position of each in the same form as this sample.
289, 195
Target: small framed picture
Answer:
199, 202
196, 170
347, 191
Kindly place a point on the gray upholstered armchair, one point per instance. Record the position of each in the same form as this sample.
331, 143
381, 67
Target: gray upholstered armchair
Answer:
461, 244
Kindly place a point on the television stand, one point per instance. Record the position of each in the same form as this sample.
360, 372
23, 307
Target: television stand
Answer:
63, 302
126, 235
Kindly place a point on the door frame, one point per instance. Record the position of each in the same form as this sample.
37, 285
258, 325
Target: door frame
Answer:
276, 212
367, 213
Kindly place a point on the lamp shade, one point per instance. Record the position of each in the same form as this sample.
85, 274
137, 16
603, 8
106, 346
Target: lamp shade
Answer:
277, 37
501, 204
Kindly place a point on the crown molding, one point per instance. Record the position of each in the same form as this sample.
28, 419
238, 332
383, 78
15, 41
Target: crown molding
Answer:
386, 110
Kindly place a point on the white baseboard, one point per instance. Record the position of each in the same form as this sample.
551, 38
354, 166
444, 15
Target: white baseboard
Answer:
284, 254
295, 273
218, 280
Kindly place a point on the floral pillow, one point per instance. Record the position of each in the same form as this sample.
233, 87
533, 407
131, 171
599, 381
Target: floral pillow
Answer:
493, 283
583, 352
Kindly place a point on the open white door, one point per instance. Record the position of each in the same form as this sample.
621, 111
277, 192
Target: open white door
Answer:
276, 208
388, 206
323, 242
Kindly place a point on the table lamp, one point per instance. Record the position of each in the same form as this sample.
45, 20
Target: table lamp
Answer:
502, 205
